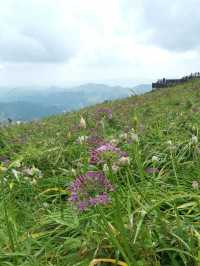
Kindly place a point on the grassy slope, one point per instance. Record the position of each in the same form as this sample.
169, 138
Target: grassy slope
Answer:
154, 219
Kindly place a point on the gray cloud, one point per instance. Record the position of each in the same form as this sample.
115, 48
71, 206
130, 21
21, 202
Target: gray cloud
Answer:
61, 41
174, 25
35, 32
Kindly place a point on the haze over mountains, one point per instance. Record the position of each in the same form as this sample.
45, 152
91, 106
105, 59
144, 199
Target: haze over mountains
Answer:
32, 103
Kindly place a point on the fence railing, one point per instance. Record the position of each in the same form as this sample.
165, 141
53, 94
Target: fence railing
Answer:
163, 83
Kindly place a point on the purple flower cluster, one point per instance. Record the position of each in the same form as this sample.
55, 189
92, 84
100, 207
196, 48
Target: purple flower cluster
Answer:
152, 170
89, 190
95, 141
104, 112
97, 156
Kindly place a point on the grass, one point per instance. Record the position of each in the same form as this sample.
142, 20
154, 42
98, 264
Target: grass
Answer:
154, 214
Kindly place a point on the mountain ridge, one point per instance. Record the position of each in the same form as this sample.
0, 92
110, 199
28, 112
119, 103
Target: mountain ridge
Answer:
16, 103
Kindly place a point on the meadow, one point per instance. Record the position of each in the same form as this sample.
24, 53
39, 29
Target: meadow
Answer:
114, 184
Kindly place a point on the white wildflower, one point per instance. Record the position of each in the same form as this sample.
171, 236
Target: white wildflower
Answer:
28, 171
169, 142
194, 139
195, 184
45, 205
73, 171
15, 173
82, 139
123, 136
134, 137
82, 123
115, 168
33, 181
114, 141
105, 168
155, 159
124, 161
33, 171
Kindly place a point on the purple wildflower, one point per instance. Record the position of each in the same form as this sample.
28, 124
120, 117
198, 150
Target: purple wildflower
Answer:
90, 189
105, 151
4, 160
104, 112
95, 141
151, 170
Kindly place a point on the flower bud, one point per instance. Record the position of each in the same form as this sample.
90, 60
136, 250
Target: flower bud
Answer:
33, 182
134, 137
114, 141
169, 142
123, 161
105, 168
115, 168
195, 184
82, 123
82, 139
123, 136
194, 139
73, 171
155, 159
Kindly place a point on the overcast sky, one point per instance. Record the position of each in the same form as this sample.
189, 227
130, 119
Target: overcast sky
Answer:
60, 42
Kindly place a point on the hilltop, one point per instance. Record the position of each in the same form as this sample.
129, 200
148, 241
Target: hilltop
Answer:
136, 199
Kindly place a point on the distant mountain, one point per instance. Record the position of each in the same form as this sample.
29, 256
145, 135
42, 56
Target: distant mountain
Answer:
24, 111
142, 88
31, 103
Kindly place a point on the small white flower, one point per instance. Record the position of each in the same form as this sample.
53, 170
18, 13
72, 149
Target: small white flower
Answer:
82, 139
15, 173
73, 171
193, 128
124, 161
194, 139
28, 171
155, 159
105, 168
195, 184
114, 141
169, 142
123, 136
134, 137
32, 171
82, 123
45, 205
115, 168
33, 182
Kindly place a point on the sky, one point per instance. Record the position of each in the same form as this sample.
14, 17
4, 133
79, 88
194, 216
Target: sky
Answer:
125, 42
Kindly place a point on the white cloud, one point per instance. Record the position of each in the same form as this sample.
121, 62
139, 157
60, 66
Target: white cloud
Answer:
36, 31
172, 25
59, 41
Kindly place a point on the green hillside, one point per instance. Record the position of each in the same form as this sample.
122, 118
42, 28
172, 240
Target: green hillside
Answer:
126, 187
